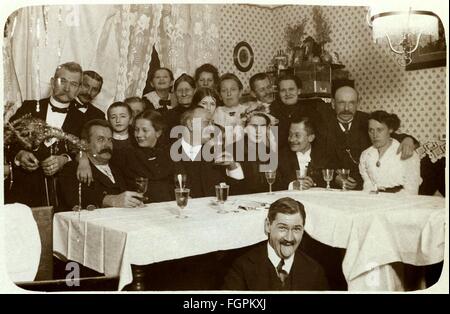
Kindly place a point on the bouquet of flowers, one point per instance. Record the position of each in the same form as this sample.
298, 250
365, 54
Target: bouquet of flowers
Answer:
30, 132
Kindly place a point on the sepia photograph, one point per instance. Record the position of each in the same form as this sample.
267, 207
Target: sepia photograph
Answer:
226, 148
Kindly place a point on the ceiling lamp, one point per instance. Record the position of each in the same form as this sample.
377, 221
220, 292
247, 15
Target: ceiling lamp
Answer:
402, 26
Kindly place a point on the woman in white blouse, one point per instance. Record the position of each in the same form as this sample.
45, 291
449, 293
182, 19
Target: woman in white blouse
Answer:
380, 166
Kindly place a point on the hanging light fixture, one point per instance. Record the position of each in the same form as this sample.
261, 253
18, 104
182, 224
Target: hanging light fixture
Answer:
403, 27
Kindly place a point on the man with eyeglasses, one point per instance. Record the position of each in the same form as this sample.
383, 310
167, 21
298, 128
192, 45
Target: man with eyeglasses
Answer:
89, 89
345, 136
35, 171
108, 188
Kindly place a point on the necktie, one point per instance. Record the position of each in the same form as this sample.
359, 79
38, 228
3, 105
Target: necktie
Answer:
346, 126
57, 109
282, 274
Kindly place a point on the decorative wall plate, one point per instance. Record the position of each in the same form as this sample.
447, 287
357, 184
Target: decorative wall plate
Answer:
243, 56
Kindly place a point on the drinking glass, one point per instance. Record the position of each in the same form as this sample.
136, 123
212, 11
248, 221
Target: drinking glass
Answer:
141, 186
301, 175
270, 177
180, 180
344, 173
328, 176
222, 196
182, 196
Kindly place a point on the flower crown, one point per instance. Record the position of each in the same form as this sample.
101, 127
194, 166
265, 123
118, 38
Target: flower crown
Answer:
260, 109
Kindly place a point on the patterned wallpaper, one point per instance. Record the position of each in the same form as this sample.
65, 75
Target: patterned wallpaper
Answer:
418, 97
246, 23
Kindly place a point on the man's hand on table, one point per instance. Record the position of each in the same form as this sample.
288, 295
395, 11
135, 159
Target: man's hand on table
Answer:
125, 199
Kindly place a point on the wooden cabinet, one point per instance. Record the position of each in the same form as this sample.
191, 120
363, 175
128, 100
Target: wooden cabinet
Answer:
318, 79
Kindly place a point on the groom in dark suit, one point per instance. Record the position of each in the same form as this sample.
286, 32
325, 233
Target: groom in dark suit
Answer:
108, 187
35, 171
276, 264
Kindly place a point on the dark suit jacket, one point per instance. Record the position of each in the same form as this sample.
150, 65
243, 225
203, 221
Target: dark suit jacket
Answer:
334, 142
254, 271
202, 176
29, 187
288, 164
284, 113
92, 113
68, 186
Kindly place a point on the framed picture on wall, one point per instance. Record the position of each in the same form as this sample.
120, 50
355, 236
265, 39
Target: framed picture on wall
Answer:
243, 56
430, 54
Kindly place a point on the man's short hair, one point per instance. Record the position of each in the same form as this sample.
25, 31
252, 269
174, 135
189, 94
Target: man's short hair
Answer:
348, 86
95, 76
119, 104
231, 76
86, 131
286, 205
189, 114
307, 123
257, 77
289, 77
69, 66
207, 67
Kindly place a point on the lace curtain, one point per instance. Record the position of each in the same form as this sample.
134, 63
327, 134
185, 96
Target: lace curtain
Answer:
114, 40
189, 36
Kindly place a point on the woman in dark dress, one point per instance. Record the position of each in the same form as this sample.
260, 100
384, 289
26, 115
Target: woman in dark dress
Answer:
184, 89
149, 158
259, 150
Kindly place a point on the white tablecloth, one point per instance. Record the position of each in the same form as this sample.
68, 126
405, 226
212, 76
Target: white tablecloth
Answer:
375, 229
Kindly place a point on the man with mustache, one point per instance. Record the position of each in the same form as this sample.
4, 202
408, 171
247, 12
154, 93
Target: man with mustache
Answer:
276, 264
344, 136
288, 104
108, 187
302, 154
261, 88
35, 171
89, 89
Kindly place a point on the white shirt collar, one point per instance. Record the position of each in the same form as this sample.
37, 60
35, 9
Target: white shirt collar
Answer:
120, 137
106, 170
191, 151
304, 158
342, 126
275, 259
58, 104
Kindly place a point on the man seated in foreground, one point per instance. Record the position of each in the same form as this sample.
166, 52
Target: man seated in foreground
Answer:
108, 187
276, 264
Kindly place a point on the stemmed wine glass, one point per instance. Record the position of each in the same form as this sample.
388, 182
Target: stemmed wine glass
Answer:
182, 196
270, 177
328, 176
344, 173
222, 191
141, 186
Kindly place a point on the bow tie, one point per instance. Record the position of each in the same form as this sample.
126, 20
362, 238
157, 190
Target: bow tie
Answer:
79, 105
57, 109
